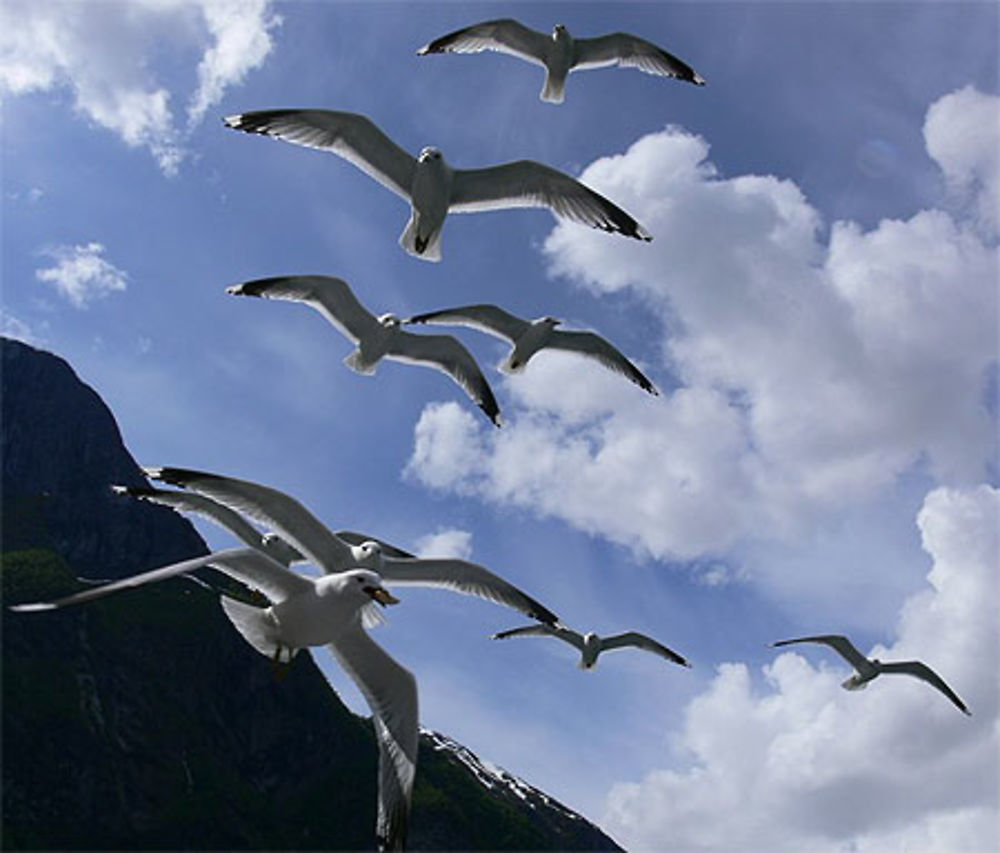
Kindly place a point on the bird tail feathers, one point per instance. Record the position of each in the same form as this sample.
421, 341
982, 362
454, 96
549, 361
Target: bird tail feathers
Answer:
428, 249
359, 364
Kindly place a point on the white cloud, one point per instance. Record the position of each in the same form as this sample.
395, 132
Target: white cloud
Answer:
105, 54
969, 157
803, 765
813, 373
449, 542
241, 30
81, 274
12, 327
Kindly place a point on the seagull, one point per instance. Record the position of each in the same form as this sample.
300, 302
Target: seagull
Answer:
271, 543
331, 611
333, 553
432, 187
530, 337
591, 645
377, 337
869, 668
560, 53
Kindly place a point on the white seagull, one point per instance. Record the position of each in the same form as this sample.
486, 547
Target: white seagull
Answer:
377, 337
530, 337
334, 553
869, 668
271, 543
430, 185
590, 645
326, 611
560, 53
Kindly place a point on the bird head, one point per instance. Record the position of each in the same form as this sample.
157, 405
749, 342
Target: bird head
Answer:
429, 154
559, 31
368, 553
551, 322
278, 549
366, 585
390, 321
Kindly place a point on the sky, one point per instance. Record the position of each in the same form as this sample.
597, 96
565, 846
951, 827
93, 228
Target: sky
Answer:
818, 307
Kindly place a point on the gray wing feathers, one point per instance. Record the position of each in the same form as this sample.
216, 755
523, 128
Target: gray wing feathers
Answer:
920, 670
837, 642
332, 297
525, 183
447, 354
631, 51
633, 638
279, 511
525, 631
200, 505
504, 35
596, 347
486, 318
350, 135
244, 564
391, 693
464, 577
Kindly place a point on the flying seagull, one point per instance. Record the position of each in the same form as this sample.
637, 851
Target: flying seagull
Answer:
560, 53
334, 553
271, 543
377, 337
591, 645
432, 187
530, 337
331, 611
870, 668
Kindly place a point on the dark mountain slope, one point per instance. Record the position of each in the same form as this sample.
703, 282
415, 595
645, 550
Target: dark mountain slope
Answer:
143, 721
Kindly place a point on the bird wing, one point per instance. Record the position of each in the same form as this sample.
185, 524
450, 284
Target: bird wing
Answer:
200, 505
632, 51
279, 511
486, 318
391, 693
465, 577
504, 36
525, 183
354, 137
634, 638
544, 630
353, 538
840, 644
245, 564
596, 347
332, 297
920, 670
447, 354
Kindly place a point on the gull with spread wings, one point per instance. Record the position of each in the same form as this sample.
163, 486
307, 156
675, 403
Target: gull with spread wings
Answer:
560, 53
335, 552
431, 186
530, 337
331, 611
866, 669
590, 645
377, 337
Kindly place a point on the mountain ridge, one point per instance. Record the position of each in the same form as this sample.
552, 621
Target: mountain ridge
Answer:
143, 721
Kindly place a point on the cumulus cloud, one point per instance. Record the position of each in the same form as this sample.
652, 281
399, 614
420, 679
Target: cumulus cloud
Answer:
969, 158
81, 274
449, 542
800, 764
105, 55
812, 371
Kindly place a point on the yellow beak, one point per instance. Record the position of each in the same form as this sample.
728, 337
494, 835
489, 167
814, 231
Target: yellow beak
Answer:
382, 595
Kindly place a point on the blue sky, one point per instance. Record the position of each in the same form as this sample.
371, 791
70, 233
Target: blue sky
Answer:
818, 305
